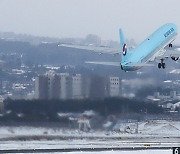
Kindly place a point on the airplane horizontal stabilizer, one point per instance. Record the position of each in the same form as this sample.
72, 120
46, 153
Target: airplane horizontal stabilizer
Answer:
99, 49
140, 64
104, 63
171, 53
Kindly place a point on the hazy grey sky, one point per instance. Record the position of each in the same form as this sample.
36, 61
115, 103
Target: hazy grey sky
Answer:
77, 18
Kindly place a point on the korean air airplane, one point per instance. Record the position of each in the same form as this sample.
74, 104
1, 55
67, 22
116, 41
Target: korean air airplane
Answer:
158, 46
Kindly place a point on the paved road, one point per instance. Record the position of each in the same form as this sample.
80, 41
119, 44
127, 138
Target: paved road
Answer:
51, 144
81, 149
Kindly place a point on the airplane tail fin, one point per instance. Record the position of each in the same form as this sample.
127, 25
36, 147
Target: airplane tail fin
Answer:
122, 39
123, 45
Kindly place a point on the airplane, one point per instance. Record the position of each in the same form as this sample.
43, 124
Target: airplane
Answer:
158, 46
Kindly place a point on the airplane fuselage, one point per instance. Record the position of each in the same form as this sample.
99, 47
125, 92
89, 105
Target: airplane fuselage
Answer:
149, 48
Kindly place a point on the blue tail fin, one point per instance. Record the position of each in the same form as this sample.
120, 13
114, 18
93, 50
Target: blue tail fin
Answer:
122, 40
123, 45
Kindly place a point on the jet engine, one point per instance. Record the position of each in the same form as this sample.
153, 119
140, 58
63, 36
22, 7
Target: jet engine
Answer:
174, 58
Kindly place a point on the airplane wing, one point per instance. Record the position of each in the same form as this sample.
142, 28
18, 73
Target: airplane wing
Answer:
104, 63
140, 64
98, 49
170, 53
118, 63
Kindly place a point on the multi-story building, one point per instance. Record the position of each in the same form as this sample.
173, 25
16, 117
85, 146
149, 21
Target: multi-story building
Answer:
65, 86
114, 87
41, 87
53, 86
77, 84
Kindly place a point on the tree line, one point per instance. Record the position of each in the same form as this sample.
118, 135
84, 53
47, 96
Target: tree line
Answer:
102, 106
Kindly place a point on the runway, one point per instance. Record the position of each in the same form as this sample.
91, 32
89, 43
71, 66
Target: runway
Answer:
84, 150
84, 145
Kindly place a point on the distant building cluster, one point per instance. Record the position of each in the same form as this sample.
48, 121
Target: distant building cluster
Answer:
66, 86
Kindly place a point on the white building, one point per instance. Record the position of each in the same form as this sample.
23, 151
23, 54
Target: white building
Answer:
77, 86
61, 86
65, 86
114, 86
50, 85
53, 85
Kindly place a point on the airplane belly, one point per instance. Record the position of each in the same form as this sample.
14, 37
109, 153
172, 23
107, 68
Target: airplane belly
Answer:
131, 68
157, 54
157, 51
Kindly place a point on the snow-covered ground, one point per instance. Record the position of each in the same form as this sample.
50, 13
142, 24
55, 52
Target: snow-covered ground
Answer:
156, 128
160, 127
159, 133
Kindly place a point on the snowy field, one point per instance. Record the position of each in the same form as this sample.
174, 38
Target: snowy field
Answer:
151, 134
156, 128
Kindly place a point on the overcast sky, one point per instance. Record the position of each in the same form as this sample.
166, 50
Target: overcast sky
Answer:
77, 18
